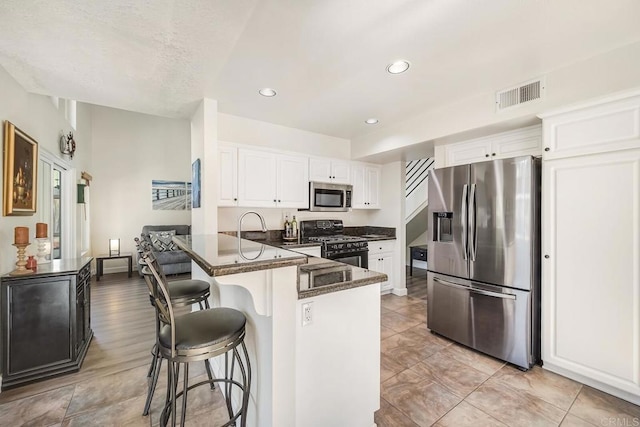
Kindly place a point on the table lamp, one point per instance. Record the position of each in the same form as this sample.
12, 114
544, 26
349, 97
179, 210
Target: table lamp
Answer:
114, 247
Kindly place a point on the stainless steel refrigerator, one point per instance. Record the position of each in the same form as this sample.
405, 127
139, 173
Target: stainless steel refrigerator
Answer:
483, 278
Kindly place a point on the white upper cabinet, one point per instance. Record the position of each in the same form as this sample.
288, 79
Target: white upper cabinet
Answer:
292, 188
267, 179
520, 142
329, 170
609, 126
366, 186
256, 178
227, 176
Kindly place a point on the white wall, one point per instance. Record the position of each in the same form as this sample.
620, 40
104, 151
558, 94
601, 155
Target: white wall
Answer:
262, 134
613, 71
37, 116
392, 180
204, 143
253, 132
131, 150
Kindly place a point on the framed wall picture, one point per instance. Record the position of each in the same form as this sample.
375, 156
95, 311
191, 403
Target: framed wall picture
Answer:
20, 172
195, 182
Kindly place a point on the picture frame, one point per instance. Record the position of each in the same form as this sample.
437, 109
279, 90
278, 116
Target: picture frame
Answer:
195, 179
20, 172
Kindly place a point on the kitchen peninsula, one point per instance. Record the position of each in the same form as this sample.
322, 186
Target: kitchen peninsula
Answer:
326, 372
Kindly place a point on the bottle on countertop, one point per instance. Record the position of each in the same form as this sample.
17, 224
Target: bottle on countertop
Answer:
294, 227
287, 227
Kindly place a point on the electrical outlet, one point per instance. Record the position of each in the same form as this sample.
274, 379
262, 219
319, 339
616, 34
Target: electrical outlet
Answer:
307, 314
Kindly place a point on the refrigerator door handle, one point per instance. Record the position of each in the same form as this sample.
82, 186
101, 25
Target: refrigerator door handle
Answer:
451, 284
465, 231
472, 224
492, 294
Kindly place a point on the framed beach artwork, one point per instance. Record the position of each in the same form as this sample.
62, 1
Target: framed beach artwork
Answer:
20, 172
195, 180
170, 195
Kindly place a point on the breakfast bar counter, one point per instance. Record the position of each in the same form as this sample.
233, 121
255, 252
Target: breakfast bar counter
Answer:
313, 330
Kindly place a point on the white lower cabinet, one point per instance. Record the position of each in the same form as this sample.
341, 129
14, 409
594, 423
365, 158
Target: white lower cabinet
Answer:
381, 259
591, 268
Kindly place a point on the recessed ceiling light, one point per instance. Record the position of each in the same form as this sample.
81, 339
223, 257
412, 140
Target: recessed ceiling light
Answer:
398, 67
371, 121
268, 92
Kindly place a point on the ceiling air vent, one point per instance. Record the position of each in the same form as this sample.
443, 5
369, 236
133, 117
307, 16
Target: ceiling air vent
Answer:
525, 92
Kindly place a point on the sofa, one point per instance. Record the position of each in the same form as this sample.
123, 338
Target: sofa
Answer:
171, 259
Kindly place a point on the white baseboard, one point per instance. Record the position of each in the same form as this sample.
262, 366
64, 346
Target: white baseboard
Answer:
401, 292
629, 397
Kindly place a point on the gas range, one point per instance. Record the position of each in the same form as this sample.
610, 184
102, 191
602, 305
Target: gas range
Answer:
335, 245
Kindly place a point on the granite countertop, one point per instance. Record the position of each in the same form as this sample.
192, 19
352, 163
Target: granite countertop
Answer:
218, 255
221, 254
322, 276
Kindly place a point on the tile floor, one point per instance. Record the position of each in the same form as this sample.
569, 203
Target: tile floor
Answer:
425, 380
428, 380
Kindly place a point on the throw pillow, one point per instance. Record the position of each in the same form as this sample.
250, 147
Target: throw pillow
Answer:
162, 240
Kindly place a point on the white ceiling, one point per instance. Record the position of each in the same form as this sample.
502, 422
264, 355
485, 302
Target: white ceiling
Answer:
326, 58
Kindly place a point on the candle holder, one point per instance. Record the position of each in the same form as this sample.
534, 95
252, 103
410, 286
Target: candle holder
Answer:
42, 250
21, 263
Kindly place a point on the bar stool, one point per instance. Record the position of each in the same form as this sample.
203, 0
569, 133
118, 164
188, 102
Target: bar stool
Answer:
183, 293
196, 336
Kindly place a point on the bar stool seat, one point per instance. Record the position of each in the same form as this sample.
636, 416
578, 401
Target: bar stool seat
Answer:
203, 329
186, 292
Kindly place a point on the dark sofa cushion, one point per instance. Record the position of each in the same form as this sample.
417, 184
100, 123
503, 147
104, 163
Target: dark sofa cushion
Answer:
171, 257
180, 229
174, 261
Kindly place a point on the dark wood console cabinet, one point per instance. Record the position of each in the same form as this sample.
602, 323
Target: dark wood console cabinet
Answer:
46, 321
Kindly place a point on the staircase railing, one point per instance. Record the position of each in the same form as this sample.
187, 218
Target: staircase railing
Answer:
416, 174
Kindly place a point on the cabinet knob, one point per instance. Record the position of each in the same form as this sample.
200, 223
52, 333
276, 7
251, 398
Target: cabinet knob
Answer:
546, 256
486, 155
493, 154
279, 201
547, 149
274, 200
235, 199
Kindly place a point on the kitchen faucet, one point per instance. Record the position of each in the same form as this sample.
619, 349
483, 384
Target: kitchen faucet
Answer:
264, 230
264, 225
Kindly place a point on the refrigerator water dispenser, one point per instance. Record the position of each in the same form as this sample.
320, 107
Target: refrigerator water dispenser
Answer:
443, 226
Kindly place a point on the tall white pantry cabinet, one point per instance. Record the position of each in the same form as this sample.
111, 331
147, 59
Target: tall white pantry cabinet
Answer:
591, 244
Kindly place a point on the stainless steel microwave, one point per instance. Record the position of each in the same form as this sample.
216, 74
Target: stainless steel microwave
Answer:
325, 197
